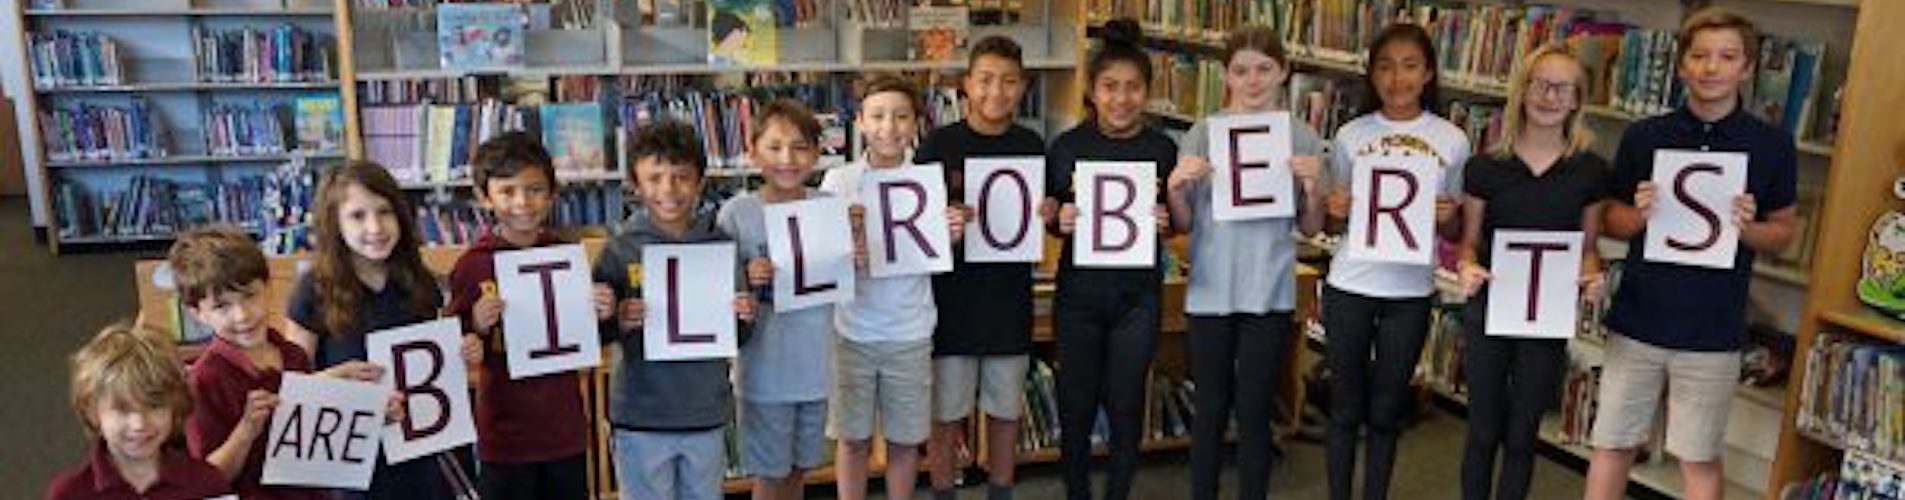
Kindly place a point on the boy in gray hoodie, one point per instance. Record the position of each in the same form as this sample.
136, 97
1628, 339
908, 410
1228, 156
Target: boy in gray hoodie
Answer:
668, 415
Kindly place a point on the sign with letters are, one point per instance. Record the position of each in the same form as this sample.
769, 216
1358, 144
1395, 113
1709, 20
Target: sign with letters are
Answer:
1250, 167
324, 433
1117, 222
549, 323
423, 363
1392, 209
688, 295
1004, 194
811, 245
1535, 290
1692, 220
906, 226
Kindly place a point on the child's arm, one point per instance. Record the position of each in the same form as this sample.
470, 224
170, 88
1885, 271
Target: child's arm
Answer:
1472, 272
1308, 171
1179, 187
1591, 277
230, 457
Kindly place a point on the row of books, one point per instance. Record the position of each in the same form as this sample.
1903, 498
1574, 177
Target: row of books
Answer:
1860, 477
74, 59
149, 205
1170, 410
1191, 19
86, 131
1481, 121
1580, 398
245, 129
427, 91
724, 119
1039, 425
285, 53
461, 222
434, 142
1854, 394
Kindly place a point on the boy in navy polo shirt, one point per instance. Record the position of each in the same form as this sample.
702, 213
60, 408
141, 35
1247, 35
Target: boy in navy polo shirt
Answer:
1680, 325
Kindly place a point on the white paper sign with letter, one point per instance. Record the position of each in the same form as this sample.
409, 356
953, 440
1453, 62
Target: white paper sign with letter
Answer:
1535, 291
1004, 194
688, 293
811, 245
549, 321
1392, 209
1117, 225
1250, 167
906, 221
324, 433
424, 363
1692, 220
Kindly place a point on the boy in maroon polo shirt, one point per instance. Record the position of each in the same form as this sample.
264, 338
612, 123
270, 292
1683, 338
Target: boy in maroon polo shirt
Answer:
131, 394
221, 275
530, 431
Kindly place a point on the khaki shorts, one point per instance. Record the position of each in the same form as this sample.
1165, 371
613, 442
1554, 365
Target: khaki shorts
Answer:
999, 382
887, 380
1699, 395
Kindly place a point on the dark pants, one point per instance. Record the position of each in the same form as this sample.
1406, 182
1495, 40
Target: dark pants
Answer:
559, 479
1511, 382
421, 478
1106, 337
1235, 360
1366, 395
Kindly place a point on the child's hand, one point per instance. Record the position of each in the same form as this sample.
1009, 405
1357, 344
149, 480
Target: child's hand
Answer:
258, 407
856, 214
1189, 169
760, 271
488, 312
1745, 210
1472, 277
631, 314
1163, 216
956, 222
1308, 171
361, 371
744, 306
394, 409
604, 302
1047, 208
1338, 203
1445, 208
472, 349
1644, 198
1592, 285
1067, 218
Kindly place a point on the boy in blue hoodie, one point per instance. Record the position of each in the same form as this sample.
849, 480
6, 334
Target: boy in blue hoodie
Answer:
668, 415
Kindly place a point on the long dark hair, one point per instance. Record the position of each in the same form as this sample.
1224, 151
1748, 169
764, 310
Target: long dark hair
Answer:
1121, 43
338, 289
1402, 33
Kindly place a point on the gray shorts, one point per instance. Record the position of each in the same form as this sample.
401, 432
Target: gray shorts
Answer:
681, 465
1699, 396
998, 381
777, 438
888, 380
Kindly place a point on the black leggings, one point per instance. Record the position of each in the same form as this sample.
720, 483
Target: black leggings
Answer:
1365, 393
1106, 337
1511, 382
562, 478
1235, 359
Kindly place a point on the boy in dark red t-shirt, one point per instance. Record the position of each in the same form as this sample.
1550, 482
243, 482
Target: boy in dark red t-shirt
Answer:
131, 394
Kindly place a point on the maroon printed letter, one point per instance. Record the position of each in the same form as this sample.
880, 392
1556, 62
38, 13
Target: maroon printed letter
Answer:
427, 388
985, 212
1237, 166
1099, 213
547, 271
800, 263
1706, 213
1376, 209
675, 335
889, 222
1535, 250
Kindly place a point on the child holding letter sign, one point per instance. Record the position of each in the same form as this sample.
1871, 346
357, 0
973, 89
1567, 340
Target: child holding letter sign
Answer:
131, 396
1683, 325
668, 415
368, 275
221, 277
1106, 319
983, 342
1540, 177
1243, 272
530, 430
783, 366
1379, 305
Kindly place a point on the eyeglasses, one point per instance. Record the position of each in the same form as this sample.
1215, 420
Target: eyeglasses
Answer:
1552, 89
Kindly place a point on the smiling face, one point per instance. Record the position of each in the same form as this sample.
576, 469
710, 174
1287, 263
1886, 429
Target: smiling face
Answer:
1400, 72
1251, 78
1117, 98
1553, 91
1715, 65
784, 155
993, 88
237, 316
520, 202
367, 223
133, 432
669, 190
890, 124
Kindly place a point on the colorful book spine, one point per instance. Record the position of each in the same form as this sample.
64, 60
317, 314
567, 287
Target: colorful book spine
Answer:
75, 59
245, 130
150, 206
285, 53
79, 132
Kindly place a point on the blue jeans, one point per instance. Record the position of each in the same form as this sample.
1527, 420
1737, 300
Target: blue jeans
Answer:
670, 465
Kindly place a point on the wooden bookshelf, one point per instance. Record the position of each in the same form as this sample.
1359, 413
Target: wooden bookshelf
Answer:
1859, 187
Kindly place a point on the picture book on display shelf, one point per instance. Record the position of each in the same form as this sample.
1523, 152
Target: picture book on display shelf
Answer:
481, 35
320, 123
743, 33
574, 135
938, 31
